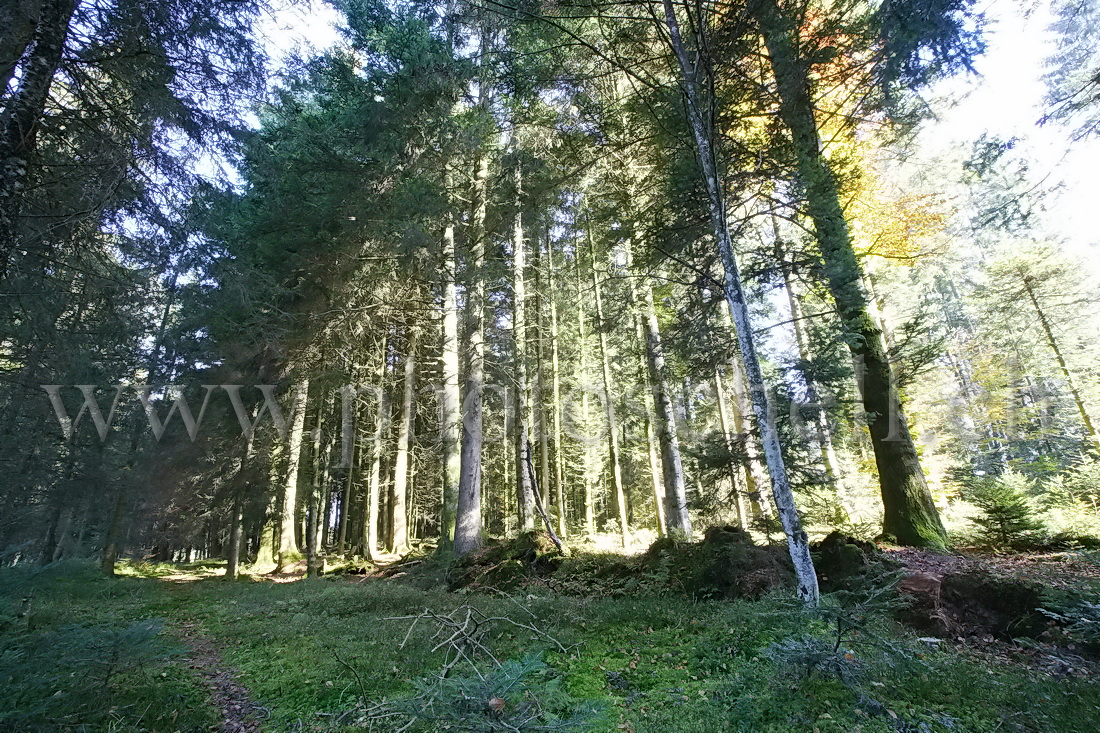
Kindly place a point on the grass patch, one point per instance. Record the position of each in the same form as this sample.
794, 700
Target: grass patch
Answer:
80, 652
316, 653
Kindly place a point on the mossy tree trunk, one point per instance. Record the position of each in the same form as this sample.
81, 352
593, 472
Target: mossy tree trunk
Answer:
909, 514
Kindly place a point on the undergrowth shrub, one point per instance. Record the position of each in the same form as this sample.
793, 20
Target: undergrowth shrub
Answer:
1007, 516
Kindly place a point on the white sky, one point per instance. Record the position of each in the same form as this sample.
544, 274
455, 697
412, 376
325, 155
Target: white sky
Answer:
1007, 100
297, 26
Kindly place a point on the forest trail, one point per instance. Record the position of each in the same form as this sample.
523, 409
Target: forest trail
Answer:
239, 713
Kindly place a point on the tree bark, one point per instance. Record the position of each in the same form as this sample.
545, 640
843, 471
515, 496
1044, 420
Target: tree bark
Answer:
349, 402
18, 21
797, 542
234, 555
655, 470
22, 115
468, 515
910, 516
582, 380
727, 438
555, 376
288, 544
525, 497
1052, 342
676, 510
609, 401
540, 375
374, 481
401, 459
450, 417
823, 432
743, 422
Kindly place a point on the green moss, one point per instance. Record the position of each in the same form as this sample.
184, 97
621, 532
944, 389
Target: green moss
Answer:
663, 663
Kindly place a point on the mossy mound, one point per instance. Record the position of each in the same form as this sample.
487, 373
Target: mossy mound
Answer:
507, 564
726, 564
843, 562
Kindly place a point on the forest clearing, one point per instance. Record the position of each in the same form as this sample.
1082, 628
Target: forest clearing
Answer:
598, 365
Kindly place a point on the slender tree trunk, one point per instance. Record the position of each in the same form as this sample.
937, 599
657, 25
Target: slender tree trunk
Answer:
727, 438
401, 460
609, 401
234, 555
813, 392
582, 380
63, 539
1052, 342
655, 471
374, 481
743, 422
784, 498
522, 419
109, 556
288, 545
468, 520
540, 403
555, 376
910, 515
22, 114
450, 417
676, 510
233, 558
349, 403
315, 500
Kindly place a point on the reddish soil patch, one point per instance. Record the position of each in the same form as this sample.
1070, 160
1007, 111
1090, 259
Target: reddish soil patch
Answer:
1064, 570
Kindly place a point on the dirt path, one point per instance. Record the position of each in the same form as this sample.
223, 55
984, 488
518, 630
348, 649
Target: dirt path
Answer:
239, 713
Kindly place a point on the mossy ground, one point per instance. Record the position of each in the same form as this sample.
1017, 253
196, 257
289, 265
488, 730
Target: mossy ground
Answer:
309, 650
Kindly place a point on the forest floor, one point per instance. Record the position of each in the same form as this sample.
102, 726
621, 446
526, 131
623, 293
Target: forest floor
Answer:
170, 648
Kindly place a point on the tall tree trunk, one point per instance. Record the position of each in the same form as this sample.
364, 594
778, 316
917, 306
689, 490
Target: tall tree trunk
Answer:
540, 381
525, 495
655, 470
609, 400
374, 480
349, 403
674, 513
237, 518
1052, 342
315, 498
266, 553
823, 432
468, 523
676, 510
727, 439
743, 422
698, 118
555, 376
22, 115
450, 418
582, 380
401, 460
288, 545
910, 515
233, 556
